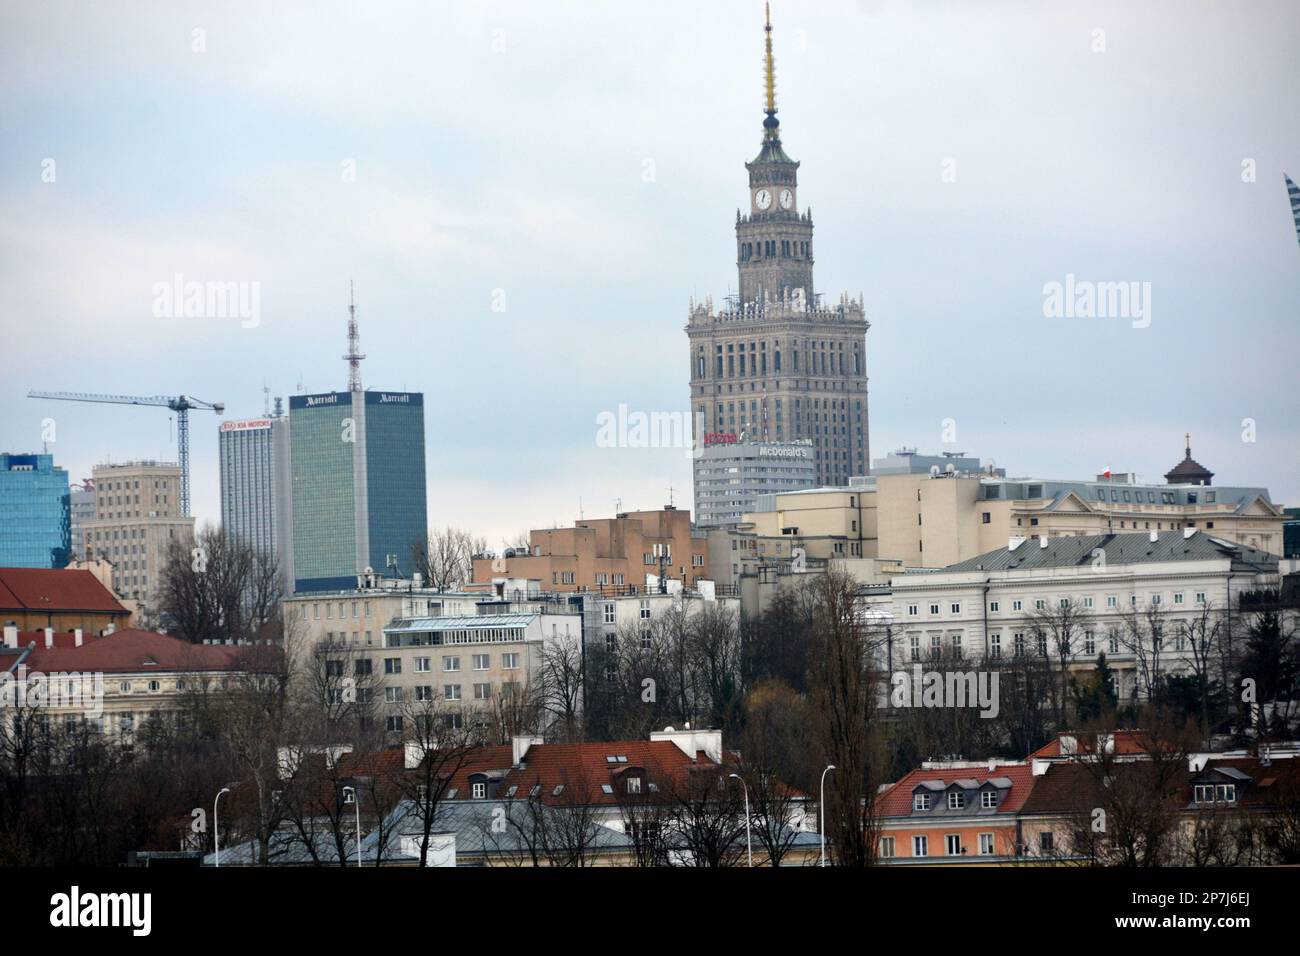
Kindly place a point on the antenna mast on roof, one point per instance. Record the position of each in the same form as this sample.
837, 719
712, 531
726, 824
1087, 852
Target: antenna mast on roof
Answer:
354, 355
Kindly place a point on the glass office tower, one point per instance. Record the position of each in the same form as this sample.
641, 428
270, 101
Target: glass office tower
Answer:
35, 512
358, 485
255, 490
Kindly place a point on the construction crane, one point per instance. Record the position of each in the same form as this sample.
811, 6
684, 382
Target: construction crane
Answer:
180, 404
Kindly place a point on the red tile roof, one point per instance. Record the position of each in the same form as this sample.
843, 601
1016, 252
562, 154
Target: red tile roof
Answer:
897, 800
582, 768
55, 589
131, 651
1125, 742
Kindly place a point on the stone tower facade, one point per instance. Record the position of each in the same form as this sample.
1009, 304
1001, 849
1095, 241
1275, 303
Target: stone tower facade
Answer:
777, 363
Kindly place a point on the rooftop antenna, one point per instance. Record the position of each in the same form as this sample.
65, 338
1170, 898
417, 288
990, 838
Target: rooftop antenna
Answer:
670, 496
618, 505
354, 355
266, 400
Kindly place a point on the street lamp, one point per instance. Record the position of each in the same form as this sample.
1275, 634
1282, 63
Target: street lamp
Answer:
216, 830
350, 796
822, 809
749, 842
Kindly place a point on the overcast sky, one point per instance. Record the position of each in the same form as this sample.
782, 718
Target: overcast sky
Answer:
505, 146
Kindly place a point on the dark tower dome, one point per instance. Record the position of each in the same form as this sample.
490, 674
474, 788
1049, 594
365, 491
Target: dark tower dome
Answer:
1188, 471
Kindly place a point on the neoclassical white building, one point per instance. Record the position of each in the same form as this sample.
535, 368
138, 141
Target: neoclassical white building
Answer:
986, 605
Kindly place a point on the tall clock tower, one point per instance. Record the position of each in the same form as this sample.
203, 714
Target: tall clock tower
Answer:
774, 241
776, 363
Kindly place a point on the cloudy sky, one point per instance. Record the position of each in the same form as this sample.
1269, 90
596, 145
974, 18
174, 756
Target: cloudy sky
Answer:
581, 165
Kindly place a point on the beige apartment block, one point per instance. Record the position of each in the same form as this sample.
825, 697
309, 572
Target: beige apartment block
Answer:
602, 553
935, 521
358, 617
137, 516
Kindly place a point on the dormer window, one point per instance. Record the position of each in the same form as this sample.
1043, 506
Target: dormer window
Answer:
1215, 793
989, 799
633, 784
921, 801
478, 790
956, 800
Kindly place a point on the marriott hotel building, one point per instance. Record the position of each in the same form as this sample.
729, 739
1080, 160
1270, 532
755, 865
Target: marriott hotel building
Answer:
358, 485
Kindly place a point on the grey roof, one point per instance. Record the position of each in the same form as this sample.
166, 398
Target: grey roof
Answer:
966, 783
1002, 782
1119, 549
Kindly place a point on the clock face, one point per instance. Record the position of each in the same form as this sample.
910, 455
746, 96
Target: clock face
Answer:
762, 199
787, 199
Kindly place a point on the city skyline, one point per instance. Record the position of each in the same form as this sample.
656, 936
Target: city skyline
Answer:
442, 209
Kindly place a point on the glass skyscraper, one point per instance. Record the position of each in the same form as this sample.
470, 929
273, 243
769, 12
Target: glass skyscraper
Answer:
256, 504
35, 516
358, 485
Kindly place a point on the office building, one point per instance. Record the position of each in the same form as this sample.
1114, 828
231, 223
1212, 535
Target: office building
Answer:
82, 510
256, 486
729, 477
358, 481
137, 517
35, 522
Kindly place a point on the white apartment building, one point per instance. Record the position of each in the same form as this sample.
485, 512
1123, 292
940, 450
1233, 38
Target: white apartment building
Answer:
986, 604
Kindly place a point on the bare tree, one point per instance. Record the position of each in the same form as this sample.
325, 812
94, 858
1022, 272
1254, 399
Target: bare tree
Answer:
774, 754
445, 561
561, 687
1060, 638
844, 703
218, 589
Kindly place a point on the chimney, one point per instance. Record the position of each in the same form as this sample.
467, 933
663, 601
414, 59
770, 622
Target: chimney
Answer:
1014, 543
1154, 536
1188, 532
49, 637
112, 628
993, 764
520, 745
76, 637
1042, 541
11, 636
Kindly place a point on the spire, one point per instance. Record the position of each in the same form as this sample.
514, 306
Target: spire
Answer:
354, 355
771, 124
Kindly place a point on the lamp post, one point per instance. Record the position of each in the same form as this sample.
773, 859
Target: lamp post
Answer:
749, 842
822, 809
216, 830
350, 796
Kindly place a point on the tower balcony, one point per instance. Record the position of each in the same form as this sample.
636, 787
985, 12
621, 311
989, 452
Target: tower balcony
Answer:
787, 309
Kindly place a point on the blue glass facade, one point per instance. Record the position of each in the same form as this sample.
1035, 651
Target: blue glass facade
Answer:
358, 484
35, 512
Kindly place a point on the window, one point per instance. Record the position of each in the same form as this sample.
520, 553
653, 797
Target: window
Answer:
394, 723
1018, 642
1111, 600
1017, 605
609, 611
1045, 842
154, 686
1200, 597
1040, 604
994, 607
451, 663
392, 665
393, 695
995, 645
956, 800
510, 661
986, 517
886, 847
451, 691
956, 608
915, 642
424, 692
934, 609
482, 691
1087, 602
986, 844
989, 799
645, 610
921, 801
920, 846
1178, 597
363, 668
1089, 643
633, 784
912, 610
478, 790
952, 843
482, 662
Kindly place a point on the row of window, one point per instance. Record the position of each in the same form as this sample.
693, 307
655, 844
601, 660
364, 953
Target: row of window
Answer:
364, 667
956, 800
1041, 604
952, 845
